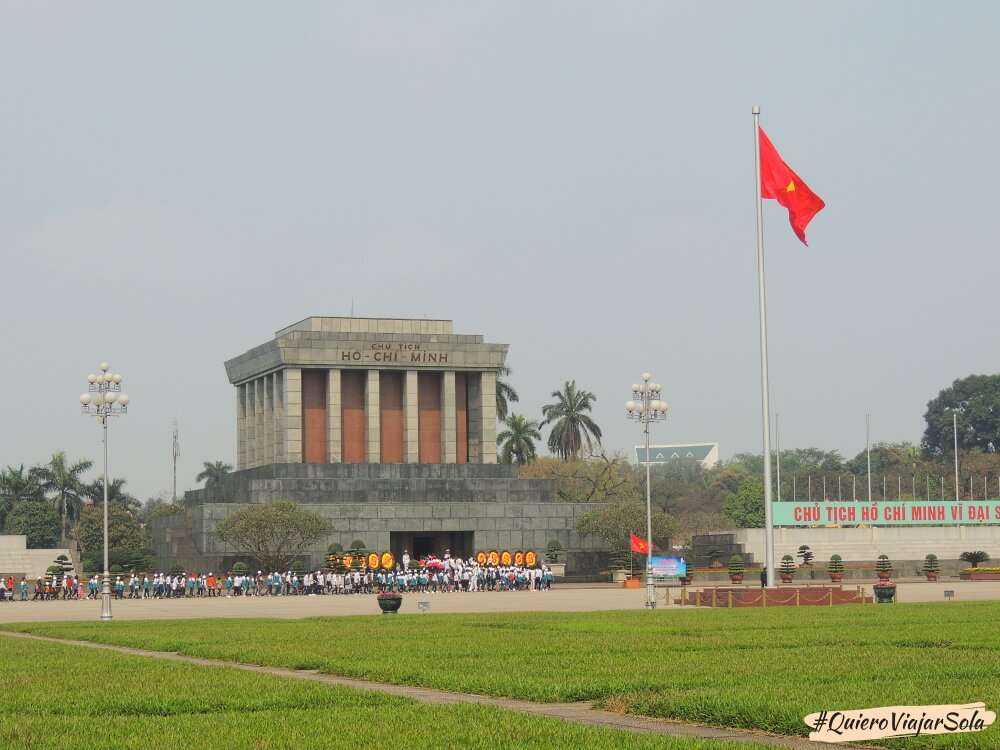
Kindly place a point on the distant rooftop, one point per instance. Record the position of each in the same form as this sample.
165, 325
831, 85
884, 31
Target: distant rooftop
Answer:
347, 324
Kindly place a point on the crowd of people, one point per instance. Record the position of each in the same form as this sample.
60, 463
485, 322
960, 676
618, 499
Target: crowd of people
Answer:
451, 574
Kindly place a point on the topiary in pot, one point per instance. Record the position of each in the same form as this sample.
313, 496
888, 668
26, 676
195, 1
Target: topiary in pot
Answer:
240, 569
298, 568
931, 567
736, 569
553, 552
787, 568
883, 566
835, 568
974, 558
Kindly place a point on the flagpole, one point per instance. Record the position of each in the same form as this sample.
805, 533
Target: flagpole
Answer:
764, 387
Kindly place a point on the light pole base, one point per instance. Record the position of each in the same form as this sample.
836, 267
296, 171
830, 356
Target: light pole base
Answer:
106, 598
650, 593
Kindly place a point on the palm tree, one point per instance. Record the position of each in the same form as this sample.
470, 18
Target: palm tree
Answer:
570, 420
62, 480
213, 473
17, 485
505, 393
116, 495
518, 440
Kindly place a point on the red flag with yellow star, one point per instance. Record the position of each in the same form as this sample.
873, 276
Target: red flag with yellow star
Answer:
778, 181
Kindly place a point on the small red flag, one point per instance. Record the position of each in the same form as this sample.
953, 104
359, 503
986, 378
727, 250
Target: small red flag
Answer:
640, 545
778, 181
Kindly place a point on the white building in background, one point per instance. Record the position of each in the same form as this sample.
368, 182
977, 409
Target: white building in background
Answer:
707, 454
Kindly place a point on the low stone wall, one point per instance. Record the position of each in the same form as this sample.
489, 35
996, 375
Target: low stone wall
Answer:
370, 501
17, 560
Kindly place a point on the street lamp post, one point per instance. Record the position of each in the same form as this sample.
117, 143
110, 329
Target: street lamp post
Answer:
103, 399
646, 408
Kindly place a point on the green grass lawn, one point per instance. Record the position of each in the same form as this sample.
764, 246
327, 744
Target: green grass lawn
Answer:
747, 668
59, 697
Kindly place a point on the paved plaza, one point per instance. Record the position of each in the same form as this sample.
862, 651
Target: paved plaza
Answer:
569, 598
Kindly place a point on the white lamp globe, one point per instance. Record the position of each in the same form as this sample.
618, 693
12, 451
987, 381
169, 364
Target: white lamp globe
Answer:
123, 399
664, 407
85, 399
104, 366
646, 376
92, 378
636, 387
110, 398
117, 378
630, 406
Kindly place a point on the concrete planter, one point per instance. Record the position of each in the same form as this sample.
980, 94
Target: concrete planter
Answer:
632, 583
979, 576
390, 604
558, 569
885, 594
619, 576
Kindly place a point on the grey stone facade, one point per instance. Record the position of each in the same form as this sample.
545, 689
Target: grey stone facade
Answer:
372, 501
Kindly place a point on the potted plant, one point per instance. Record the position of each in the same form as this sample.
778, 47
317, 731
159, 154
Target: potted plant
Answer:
835, 568
787, 569
555, 557
883, 567
974, 558
685, 580
619, 564
389, 602
736, 569
931, 567
885, 589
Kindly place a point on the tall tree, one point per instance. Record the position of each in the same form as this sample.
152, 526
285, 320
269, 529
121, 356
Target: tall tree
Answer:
36, 520
62, 481
614, 522
745, 507
17, 485
213, 473
506, 394
517, 442
572, 426
128, 541
273, 533
976, 401
116, 494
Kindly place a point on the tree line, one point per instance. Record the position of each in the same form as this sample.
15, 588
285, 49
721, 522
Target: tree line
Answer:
53, 505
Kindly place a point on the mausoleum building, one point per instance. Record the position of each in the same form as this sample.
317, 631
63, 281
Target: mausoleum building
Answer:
388, 428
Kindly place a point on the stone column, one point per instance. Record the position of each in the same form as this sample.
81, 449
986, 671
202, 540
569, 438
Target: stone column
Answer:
333, 418
475, 401
411, 430
374, 452
280, 444
260, 426
448, 417
270, 426
293, 414
241, 424
488, 399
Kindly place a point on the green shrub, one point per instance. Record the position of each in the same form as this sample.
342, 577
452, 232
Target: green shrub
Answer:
787, 565
974, 558
836, 564
335, 549
883, 564
931, 564
736, 566
298, 568
240, 569
357, 545
553, 551
806, 554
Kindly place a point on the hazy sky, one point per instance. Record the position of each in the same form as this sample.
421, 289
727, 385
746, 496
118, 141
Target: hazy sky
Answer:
180, 180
